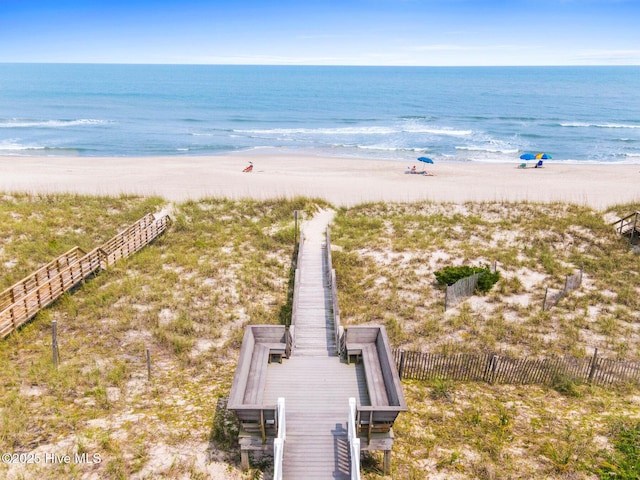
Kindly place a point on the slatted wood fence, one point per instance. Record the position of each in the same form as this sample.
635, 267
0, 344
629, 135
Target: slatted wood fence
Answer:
23, 300
491, 368
552, 297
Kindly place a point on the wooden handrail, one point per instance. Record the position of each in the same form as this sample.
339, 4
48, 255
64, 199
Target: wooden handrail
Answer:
626, 221
331, 276
354, 441
40, 276
28, 305
296, 283
278, 443
23, 300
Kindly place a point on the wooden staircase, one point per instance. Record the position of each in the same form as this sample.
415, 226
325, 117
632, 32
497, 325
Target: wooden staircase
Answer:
629, 226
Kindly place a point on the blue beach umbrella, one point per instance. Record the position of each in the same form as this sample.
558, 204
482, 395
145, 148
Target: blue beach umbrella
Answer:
425, 160
527, 156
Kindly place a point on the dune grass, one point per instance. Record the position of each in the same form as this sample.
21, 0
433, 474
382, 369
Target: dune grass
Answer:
385, 258
223, 264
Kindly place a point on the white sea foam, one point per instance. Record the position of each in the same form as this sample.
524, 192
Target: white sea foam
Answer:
598, 125
385, 148
322, 131
439, 131
363, 130
488, 149
19, 123
9, 145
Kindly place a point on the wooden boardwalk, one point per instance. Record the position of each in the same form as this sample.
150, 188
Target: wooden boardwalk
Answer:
315, 383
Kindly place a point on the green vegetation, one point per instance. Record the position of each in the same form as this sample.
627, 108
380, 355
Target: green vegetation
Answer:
624, 462
450, 275
224, 264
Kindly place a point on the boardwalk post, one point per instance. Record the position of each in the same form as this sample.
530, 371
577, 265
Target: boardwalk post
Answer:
54, 342
148, 364
592, 369
401, 367
386, 463
244, 460
295, 218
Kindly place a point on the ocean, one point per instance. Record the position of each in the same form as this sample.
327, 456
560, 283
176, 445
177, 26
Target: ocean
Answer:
479, 114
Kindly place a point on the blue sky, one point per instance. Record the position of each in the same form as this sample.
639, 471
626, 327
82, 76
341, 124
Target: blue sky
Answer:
322, 32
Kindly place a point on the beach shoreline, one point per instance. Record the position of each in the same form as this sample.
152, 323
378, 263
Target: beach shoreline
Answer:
340, 181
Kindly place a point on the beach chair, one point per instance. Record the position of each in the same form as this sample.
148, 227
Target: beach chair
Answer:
248, 169
523, 165
539, 164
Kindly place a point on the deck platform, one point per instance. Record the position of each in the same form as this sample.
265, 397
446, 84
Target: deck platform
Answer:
315, 381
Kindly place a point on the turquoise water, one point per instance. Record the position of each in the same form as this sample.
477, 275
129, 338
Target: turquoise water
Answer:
450, 114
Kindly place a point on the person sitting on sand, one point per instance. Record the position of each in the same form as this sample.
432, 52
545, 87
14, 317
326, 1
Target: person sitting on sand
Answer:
249, 168
413, 169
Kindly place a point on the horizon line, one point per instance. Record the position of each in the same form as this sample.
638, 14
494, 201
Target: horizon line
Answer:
318, 64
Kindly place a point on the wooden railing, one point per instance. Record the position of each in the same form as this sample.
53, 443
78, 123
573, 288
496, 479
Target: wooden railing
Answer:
23, 300
296, 284
278, 443
39, 277
44, 293
354, 441
134, 238
331, 276
630, 223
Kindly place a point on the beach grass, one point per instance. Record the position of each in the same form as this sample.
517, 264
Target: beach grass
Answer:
226, 263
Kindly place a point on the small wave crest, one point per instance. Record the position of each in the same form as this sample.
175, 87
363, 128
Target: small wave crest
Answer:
362, 130
23, 123
487, 149
598, 125
13, 148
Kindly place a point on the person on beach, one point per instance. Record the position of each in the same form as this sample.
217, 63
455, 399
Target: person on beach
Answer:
249, 168
413, 169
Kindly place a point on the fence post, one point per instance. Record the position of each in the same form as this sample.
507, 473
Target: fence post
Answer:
54, 342
401, 367
581, 270
490, 370
592, 369
295, 218
544, 302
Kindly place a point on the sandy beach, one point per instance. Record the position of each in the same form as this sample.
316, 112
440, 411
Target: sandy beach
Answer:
343, 182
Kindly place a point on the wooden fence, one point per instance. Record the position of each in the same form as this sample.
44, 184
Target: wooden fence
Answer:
23, 300
492, 368
462, 289
553, 297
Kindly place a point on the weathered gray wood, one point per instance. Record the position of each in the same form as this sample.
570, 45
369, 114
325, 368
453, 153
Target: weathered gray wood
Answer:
316, 389
314, 381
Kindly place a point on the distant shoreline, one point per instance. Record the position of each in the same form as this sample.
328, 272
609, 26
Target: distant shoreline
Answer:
340, 181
